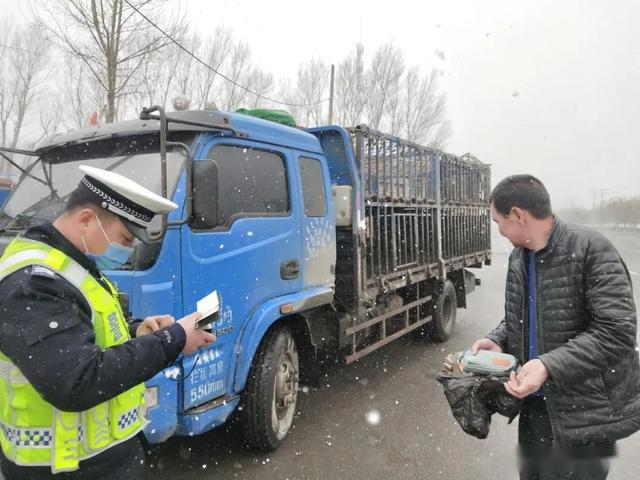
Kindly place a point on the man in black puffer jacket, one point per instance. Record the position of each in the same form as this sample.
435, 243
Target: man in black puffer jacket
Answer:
570, 319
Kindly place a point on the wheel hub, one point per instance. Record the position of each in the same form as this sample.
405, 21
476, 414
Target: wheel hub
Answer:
286, 385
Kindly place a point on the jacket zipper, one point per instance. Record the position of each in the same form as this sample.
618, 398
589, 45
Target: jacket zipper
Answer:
539, 336
525, 329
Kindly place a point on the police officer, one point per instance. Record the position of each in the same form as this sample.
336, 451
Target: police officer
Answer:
71, 367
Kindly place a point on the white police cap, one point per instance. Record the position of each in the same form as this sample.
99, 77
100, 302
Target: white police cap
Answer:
133, 203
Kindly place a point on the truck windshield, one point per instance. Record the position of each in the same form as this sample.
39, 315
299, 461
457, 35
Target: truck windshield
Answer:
41, 194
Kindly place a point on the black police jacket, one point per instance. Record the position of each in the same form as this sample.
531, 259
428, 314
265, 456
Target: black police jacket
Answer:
63, 364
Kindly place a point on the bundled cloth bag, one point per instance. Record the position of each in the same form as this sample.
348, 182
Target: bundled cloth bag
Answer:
474, 388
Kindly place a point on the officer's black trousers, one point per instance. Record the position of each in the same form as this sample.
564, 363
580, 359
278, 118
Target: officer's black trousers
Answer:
541, 461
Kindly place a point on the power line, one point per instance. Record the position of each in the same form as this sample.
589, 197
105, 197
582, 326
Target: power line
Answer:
197, 59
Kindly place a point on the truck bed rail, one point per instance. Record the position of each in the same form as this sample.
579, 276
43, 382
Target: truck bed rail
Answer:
414, 196
426, 216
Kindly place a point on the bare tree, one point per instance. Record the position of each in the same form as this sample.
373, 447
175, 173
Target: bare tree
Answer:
165, 68
81, 91
185, 75
441, 135
425, 108
153, 81
174, 71
110, 37
238, 71
287, 92
313, 79
405, 104
383, 81
50, 115
214, 53
350, 94
394, 112
23, 56
157, 79
262, 83
8, 79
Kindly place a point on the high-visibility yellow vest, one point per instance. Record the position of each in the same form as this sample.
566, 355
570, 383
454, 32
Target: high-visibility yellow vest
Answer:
32, 431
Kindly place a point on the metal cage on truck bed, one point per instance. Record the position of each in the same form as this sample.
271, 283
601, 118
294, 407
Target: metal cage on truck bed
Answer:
426, 218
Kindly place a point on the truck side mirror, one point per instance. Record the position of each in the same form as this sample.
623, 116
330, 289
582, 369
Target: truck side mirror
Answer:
205, 195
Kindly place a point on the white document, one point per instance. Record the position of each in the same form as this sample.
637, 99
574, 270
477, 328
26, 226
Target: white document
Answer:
209, 307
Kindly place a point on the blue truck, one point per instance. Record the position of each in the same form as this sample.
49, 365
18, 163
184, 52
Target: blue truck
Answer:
324, 244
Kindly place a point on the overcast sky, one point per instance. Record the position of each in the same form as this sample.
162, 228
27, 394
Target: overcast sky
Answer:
546, 87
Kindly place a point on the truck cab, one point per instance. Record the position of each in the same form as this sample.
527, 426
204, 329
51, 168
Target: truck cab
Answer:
255, 223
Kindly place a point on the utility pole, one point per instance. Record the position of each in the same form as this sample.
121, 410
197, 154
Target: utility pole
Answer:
333, 71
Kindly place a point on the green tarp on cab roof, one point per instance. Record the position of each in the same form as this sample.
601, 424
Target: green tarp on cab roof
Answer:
278, 116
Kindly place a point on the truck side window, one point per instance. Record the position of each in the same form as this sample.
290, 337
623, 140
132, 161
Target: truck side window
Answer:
251, 182
315, 203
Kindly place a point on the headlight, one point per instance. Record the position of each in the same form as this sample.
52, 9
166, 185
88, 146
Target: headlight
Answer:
150, 399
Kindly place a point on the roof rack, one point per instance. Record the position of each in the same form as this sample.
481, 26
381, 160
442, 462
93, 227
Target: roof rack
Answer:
213, 119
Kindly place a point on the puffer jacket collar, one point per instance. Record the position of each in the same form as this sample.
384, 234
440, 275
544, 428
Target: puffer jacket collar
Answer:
555, 240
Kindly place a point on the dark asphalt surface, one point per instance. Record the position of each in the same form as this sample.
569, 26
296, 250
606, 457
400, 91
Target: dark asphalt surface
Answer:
416, 437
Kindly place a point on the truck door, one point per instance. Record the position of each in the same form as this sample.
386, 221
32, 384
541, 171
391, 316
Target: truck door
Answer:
251, 255
317, 223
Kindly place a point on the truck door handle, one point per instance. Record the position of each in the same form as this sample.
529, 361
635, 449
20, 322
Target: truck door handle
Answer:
289, 269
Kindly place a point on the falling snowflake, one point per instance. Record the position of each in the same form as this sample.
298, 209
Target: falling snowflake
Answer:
373, 417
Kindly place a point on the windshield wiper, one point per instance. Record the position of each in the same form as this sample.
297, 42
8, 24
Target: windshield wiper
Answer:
120, 162
49, 183
22, 170
21, 221
26, 171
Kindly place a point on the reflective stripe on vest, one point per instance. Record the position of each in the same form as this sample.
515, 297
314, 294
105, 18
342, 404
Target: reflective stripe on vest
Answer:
32, 431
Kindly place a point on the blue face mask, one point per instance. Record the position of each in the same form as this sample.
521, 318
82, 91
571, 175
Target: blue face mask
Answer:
114, 257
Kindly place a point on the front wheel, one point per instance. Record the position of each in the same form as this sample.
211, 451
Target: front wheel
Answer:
271, 394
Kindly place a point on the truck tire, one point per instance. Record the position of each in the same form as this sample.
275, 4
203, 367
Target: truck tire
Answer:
270, 397
444, 313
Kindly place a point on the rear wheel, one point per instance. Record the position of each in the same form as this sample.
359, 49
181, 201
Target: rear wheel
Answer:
270, 398
444, 313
